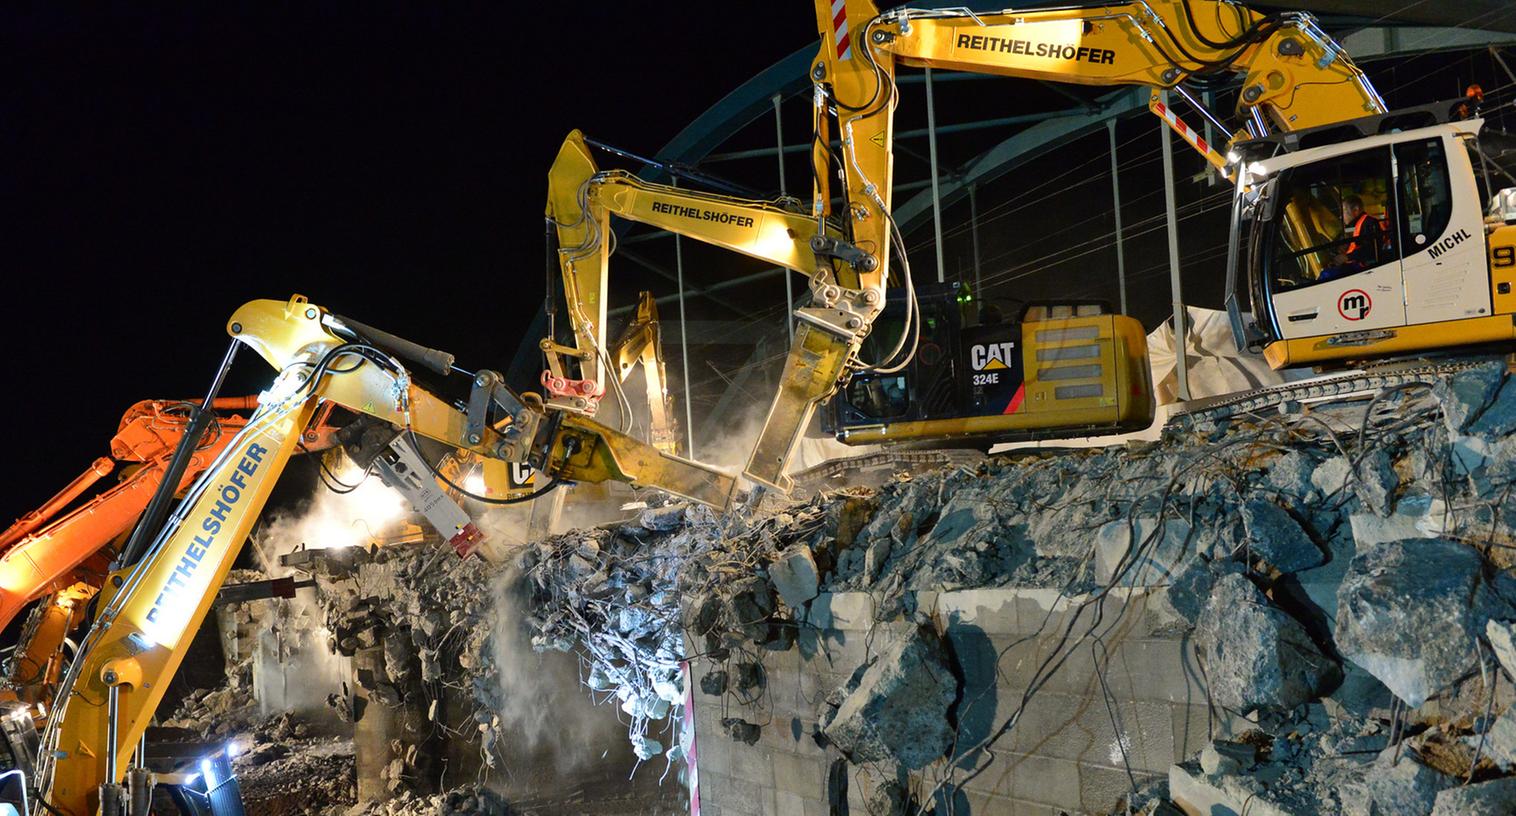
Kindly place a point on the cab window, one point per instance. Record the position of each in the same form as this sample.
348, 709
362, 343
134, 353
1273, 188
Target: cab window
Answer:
879, 396
1332, 219
1425, 193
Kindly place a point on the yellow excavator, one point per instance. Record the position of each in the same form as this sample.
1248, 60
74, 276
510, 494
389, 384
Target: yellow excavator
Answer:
1061, 371
159, 592
1316, 142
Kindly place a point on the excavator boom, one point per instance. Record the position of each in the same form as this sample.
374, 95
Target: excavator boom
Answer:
149, 609
581, 199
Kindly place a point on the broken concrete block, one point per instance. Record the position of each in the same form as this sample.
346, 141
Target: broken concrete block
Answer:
1376, 482
662, 519
1256, 655
1331, 476
1408, 613
1466, 394
1158, 556
795, 576
875, 557
1499, 419
1191, 586
1415, 516
1502, 637
1359, 695
1196, 793
1394, 786
1500, 740
1274, 536
897, 708
749, 605
1221, 757
1494, 798
1290, 474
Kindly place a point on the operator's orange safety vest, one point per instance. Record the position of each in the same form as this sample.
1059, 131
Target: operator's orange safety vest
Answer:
1358, 231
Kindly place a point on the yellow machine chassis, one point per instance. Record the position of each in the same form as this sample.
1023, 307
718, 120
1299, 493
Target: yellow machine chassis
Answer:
1125, 379
1444, 334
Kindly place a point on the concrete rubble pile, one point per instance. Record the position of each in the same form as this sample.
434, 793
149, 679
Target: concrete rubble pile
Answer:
416, 621
284, 766
1340, 571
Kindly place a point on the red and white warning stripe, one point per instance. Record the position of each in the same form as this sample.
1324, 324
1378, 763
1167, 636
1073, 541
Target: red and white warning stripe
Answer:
839, 30
1188, 133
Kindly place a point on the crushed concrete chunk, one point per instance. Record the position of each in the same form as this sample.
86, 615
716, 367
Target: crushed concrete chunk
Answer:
1418, 516
1394, 786
896, 710
1502, 636
1195, 793
1275, 536
1408, 613
1466, 394
1191, 588
1158, 556
1256, 655
662, 519
1221, 757
1331, 476
794, 576
1290, 474
1494, 798
1500, 740
1377, 481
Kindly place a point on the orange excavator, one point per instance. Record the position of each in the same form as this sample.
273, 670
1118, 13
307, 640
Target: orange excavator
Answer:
60, 558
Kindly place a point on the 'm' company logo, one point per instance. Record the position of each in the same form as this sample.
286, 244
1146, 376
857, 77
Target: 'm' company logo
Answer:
1354, 304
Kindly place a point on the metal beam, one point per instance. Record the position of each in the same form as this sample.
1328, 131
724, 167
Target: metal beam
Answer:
1176, 285
931, 140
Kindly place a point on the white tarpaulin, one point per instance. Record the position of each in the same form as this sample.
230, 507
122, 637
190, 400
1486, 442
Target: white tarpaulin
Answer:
1215, 366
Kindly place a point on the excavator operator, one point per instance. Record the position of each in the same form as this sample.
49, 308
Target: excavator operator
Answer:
1362, 251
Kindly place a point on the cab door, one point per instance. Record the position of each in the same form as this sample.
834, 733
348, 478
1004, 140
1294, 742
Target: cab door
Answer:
1446, 276
1320, 277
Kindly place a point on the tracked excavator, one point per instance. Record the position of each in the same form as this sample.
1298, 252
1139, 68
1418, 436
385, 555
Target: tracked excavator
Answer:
936, 380
1314, 140
163, 582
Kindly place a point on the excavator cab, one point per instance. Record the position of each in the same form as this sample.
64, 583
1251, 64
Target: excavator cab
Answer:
1057, 371
1369, 240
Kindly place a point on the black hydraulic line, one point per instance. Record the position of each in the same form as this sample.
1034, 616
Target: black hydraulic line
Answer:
683, 171
157, 509
433, 359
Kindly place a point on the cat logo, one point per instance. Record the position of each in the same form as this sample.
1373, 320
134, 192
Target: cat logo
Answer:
991, 356
522, 474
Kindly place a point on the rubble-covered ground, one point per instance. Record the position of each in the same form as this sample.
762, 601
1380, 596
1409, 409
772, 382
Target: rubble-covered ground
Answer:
1343, 571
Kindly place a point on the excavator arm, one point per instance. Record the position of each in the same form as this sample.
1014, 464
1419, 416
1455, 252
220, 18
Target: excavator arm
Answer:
1294, 75
846, 290
61, 559
641, 344
149, 609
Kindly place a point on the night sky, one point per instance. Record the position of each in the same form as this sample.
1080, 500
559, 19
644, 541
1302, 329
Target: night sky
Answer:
161, 167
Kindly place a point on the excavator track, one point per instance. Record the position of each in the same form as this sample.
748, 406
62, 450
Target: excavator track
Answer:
1364, 382
1358, 383
885, 464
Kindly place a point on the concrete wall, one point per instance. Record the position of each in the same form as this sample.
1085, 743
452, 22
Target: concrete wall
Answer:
1065, 754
